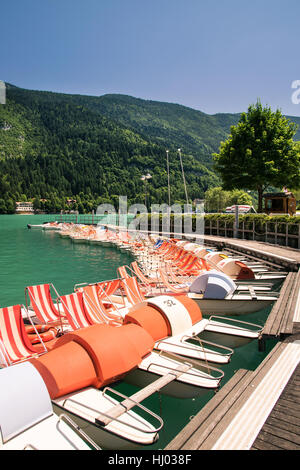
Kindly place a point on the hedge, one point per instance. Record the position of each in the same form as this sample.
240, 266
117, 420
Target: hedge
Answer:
227, 220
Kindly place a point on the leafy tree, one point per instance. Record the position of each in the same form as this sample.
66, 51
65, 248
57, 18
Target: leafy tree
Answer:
238, 196
216, 199
259, 152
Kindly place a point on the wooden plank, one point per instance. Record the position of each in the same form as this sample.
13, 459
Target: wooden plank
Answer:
274, 320
238, 419
280, 415
292, 437
276, 441
205, 422
285, 311
273, 424
287, 324
200, 426
260, 444
129, 403
296, 318
285, 407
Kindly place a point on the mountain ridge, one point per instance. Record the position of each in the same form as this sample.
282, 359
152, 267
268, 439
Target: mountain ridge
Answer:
56, 145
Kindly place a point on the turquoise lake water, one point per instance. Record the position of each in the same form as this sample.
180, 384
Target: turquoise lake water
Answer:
30, 257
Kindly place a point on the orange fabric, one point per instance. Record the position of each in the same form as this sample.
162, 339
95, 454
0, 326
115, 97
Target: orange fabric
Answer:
123, 272
245, 272
107, 288
13, 334
38, 347
151, 320
45, 332
132, 290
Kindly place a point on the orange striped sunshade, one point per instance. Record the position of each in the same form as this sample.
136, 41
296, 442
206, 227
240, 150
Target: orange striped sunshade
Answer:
42, 303
123, 272
75, 310
17, 345
93, 305
107, 288
132, 290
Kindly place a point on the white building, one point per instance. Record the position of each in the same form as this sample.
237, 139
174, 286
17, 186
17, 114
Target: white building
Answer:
24, 208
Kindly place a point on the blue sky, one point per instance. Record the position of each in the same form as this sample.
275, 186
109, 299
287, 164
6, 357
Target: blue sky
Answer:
215, 56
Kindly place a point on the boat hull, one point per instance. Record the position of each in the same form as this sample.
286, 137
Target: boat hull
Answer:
176, 389
227, 340
79, 241
231, 307
103, 438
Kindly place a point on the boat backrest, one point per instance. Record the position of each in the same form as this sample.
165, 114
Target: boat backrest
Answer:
213, 284
107, 288
24, 400
75, 311
42, 304
132, 290
123, 272
168, 285
139, 273
13, 336
93, 306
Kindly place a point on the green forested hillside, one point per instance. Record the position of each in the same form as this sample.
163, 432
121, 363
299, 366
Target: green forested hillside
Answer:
56, 146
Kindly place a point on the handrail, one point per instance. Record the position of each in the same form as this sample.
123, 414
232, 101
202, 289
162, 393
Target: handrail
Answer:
147, 410
236, 321
205, 376
201, 341
106, 415
78, 430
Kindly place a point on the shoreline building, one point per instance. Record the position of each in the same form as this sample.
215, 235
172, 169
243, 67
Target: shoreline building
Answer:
24, 208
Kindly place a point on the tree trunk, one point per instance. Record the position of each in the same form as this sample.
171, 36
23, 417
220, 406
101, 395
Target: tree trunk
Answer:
260, 199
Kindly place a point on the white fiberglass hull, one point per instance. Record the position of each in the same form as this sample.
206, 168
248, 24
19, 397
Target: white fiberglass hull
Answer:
193, 384
236, 305
229, 336
46, 227
94, 241
187, 345
64, 234
86, 405
79, 240
50, 434
40, 226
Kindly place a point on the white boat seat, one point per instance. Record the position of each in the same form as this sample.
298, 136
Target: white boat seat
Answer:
24, 399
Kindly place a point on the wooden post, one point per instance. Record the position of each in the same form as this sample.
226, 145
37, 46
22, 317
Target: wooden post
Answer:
236, 223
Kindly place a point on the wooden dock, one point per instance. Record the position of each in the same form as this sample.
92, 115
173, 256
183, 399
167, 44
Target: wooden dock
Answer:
286, 258
257, 410
284, 318
247, 412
